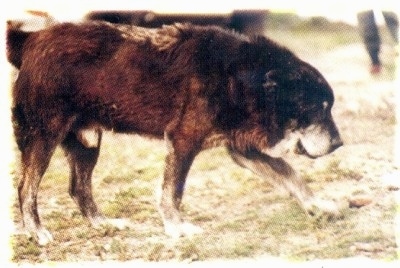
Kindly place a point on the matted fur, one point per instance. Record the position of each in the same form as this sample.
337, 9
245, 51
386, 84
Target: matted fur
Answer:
195, 86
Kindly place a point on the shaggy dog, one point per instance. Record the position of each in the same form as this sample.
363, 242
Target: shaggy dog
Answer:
194, 86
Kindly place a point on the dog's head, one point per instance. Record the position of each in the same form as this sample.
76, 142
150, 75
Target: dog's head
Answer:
304, 100
292, 101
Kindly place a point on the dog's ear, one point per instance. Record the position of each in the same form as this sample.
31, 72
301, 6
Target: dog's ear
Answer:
270, 81
276, 86
272, 88
246, 70
251, 85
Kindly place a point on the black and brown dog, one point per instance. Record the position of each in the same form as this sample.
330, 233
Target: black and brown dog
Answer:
194, 86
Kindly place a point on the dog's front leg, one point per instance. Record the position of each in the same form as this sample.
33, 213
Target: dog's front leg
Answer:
281, 174
177, 164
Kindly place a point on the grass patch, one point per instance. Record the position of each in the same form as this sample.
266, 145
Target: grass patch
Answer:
119, 248
59, 221
133, 193
188, 250
333, 171
25, 249
217, 247
280, 223
216, 157
151, 171
316, 34
133, 203
117, 179
156, 252
128, 174
184, 249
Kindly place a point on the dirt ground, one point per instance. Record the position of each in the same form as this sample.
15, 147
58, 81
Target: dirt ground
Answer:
365, 112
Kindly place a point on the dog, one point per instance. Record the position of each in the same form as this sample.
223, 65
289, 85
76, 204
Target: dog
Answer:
196, 87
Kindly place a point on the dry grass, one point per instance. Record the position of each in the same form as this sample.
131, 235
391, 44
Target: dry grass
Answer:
241, 214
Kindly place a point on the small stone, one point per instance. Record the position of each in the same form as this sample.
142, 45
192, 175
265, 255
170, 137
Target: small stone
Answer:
359, 201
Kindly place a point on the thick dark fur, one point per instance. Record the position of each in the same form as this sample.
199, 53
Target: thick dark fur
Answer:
194, 86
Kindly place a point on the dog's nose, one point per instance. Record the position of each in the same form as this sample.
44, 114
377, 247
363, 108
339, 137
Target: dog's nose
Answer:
336, 143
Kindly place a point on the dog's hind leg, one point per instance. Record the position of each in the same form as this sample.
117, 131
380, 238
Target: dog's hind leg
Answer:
82, 151
37, 147
281, 174
35, 159
82, 160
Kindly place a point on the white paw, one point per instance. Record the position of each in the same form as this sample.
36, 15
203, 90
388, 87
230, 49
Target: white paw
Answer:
41, 235
44, 237
97, 222
182, 229
320, 207
189, 229
120, 224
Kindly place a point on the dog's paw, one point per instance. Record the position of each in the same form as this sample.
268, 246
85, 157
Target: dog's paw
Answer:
320, 208
43, 237
181, 229
190, 229
120, 224
38, 234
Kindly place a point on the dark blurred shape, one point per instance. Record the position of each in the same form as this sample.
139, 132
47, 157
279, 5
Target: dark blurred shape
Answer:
370, 34
244, 21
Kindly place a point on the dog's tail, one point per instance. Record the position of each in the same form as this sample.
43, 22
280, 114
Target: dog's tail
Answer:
15, 42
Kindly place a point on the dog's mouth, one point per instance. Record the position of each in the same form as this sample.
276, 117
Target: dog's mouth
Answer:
301, 150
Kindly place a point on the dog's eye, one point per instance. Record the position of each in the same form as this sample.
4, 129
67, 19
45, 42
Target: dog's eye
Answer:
321, 113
